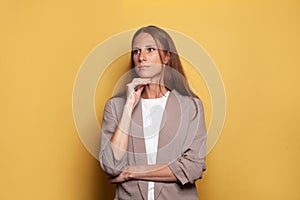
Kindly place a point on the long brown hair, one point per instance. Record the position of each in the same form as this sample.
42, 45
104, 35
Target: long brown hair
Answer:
173, 76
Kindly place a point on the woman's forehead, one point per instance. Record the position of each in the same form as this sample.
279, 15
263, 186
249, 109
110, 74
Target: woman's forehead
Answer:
143, 40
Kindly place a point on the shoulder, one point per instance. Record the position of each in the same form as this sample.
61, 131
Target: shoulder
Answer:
187, 100
115, 103
190, 106
117, 99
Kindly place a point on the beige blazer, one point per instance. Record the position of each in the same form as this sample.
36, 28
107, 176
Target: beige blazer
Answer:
181, 145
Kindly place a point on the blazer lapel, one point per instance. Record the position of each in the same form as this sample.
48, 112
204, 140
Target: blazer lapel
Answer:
169, 125
138, 141
168, 129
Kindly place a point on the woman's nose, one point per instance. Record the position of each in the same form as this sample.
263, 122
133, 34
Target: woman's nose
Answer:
142, 56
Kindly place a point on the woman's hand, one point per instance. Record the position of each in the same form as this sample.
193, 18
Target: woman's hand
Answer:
124, 176
158, 172
119, 140
134, 90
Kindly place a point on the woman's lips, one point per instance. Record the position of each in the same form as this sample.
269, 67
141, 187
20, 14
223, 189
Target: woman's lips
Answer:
143, 67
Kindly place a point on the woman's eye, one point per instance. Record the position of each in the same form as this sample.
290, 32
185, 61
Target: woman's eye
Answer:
150, 49
136, 51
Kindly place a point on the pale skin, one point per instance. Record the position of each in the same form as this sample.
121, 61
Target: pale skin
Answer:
148, 65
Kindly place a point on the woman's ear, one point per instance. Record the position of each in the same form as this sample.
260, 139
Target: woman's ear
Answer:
167, 57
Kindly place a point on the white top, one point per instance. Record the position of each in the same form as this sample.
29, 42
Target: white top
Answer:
152, 110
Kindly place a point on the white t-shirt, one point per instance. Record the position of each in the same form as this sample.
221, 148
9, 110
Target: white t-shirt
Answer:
152, 110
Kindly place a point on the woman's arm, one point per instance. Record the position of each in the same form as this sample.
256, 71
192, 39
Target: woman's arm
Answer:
146, 172
115, 134
187, 168
190, 166
119, 140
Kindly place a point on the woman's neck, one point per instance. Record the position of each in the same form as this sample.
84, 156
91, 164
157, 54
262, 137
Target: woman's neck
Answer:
152, 91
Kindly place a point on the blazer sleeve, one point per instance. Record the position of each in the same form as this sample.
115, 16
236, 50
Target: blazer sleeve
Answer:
191, 164
108, 162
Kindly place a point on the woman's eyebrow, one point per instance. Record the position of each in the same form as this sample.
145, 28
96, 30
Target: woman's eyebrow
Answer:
150, 45
146, 46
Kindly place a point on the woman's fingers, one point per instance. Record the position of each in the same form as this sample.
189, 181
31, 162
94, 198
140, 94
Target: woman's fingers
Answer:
139, 90
136, 82
135, 88
120, 178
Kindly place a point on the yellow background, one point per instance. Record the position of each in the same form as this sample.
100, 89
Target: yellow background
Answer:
255, 45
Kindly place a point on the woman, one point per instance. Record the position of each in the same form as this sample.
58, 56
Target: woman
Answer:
153, 137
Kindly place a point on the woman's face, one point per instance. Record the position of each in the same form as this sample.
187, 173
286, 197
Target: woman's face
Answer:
146, 56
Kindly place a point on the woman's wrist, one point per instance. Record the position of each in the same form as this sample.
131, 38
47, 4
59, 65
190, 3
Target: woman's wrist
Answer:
129, 173
128, 108
136, 171
130, 176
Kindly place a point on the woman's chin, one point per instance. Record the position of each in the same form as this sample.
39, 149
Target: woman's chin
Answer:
148, 75
144, 75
